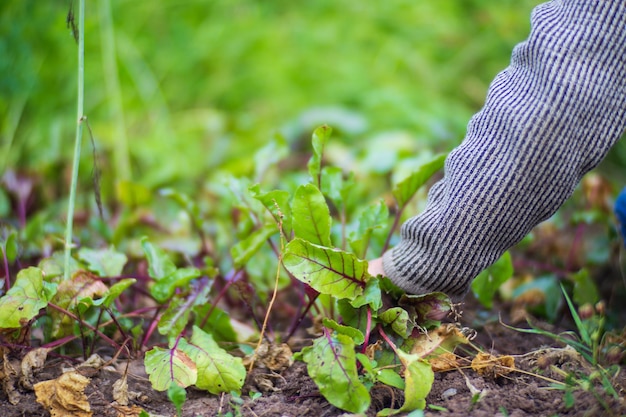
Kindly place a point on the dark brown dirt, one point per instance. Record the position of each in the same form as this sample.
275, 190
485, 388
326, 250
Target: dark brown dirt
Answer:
461, 392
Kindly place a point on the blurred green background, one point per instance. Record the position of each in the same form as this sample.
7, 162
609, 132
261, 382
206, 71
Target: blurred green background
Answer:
177, 91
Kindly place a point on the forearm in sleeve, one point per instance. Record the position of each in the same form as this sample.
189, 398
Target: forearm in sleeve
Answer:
549, 118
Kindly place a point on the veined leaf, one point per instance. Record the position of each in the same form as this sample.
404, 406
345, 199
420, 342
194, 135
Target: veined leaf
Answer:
372, 295
245, 249
218, 371
167, 366
328, 271
331, 363
175, 318
311, 217
406, 189
489, 281
355, 334
23, 301
319, 139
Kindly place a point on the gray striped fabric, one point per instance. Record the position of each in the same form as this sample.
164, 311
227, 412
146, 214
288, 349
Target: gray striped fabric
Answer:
549, 118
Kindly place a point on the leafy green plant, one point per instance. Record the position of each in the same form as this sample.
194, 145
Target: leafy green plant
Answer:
323, 229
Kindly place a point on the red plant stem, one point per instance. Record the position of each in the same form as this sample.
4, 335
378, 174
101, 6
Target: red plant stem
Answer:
296, 323
386, 338
368, 330
235, 277
60, 342
83, 323
153, 324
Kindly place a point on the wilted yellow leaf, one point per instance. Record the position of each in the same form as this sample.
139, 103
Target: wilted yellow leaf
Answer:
64, 396
487, 365
444, 362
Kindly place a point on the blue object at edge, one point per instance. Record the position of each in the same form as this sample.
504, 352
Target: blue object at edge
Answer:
620, 213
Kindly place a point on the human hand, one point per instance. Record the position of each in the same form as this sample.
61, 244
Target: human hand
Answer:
375, 267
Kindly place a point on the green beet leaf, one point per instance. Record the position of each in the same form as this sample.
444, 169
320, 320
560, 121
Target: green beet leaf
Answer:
10, 247
331, 363
245, 249
164, 288
418, 380
319, 139
218, 371
219, 322
177, 396
311, 216
337, 186
103, 262
355, 334
328, 271
167, 366
27, 296
159, 264
406, 189
175, 317
398, 319
108, 297
372, 218
277, 203
351, 316
489, 281
371, 296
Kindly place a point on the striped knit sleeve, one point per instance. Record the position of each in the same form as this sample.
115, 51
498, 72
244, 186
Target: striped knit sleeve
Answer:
549, 118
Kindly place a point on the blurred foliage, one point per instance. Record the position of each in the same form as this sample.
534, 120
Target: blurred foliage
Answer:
177, 90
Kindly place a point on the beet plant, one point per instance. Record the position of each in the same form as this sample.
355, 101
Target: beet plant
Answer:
203, 316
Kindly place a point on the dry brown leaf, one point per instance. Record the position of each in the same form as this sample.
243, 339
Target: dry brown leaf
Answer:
487, 365
126, 411
33, 361
120, 391
371, 349
8, 375
273, 357
441, 340
64, 396
444, 362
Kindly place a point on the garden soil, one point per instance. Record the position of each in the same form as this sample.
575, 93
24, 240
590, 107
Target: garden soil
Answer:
527, 391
